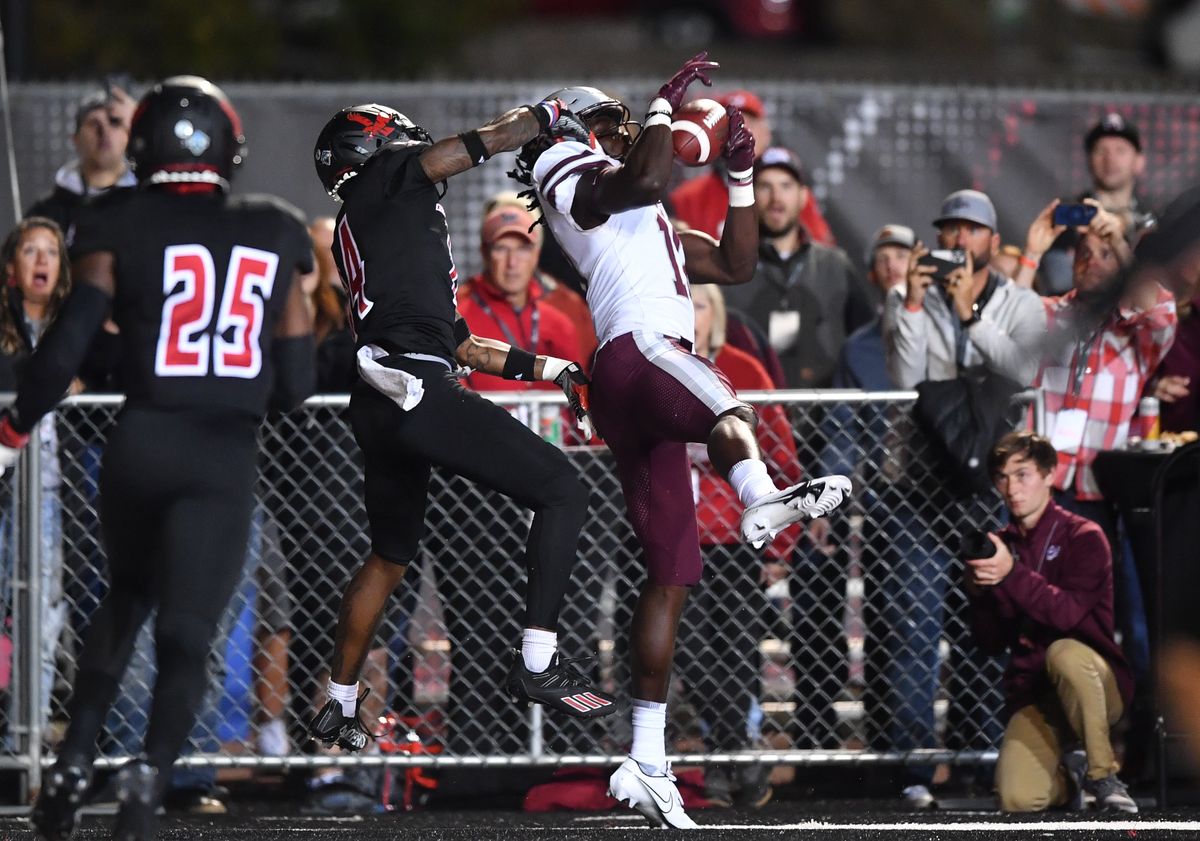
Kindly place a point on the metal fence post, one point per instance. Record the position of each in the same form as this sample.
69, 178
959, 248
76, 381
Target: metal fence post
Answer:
29, 601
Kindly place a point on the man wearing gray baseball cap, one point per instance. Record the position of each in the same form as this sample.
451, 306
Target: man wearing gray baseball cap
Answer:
972, 317
955, 320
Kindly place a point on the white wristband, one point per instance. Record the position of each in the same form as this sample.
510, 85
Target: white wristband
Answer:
745, 176
653, 120
659, 105
741, 195
553, 367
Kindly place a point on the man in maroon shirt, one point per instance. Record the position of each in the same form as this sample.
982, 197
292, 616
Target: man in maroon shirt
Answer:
1046, 595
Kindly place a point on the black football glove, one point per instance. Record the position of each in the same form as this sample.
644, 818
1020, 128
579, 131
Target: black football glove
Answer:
574, 383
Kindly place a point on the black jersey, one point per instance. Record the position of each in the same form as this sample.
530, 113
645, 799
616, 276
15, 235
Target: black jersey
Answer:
392, 248
201, 281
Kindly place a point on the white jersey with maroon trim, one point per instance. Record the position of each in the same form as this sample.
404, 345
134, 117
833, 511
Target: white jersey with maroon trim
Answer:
633, 262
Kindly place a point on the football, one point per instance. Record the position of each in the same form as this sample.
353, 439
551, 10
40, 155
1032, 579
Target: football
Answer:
698, 131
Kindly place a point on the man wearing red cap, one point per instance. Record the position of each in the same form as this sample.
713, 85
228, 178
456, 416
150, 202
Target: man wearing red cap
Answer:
700, 202
503, 302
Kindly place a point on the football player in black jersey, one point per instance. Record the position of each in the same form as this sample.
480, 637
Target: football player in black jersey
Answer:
214, 330
409, 411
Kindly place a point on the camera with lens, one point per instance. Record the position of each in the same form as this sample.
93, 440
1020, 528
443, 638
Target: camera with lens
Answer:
976, 544
943, 261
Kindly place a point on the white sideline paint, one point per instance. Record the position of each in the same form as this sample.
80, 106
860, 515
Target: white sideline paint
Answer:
916, 826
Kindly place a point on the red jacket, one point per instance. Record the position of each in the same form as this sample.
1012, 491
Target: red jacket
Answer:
556, 333
718, 510
571, 304
1060, 587
702, 201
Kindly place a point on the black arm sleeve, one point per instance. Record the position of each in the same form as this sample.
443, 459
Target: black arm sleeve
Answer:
59, 355
294, 358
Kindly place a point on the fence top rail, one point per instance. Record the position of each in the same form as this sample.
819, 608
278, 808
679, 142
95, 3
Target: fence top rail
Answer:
809, 396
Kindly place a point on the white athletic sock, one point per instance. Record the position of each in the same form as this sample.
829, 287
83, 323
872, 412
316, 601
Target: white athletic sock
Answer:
273, 738
649, 736
537, 648
346, 695
750, 481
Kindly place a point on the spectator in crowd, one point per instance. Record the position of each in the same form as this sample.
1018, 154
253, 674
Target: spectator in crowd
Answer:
1007, 260
1107, 338
1177, 381
728, 612
861, 363
337, 370
804, 295
975, 324
504, 301
843, 430
102, 122
700, 202
1116, 162
975, 319
37, 280
554, 292
1045, 596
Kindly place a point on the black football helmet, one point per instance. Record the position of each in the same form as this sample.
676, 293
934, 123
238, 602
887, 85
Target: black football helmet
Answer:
185, 131
353, 135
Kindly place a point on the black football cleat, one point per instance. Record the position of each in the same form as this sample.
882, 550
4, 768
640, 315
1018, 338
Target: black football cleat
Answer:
138, 796
333, 727
561, 687
56, 812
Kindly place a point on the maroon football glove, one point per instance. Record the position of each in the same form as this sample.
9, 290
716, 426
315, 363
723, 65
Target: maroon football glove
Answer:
738, 151
694, 68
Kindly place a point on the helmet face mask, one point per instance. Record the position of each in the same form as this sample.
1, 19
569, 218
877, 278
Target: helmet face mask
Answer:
617, 130
185, 131
353, 135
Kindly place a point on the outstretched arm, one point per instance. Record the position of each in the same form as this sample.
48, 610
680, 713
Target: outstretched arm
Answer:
732, 261
644, 174
511, 130
513, 363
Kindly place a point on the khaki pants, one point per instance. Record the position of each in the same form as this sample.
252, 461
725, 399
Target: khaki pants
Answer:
1084, 705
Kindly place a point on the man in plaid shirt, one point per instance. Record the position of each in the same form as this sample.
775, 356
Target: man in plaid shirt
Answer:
1099, 362
1104, 345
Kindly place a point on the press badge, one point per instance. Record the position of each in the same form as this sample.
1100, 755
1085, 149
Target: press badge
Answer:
1069, 425
783, 330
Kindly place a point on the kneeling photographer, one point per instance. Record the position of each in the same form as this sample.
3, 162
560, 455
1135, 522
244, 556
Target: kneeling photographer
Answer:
1042, 589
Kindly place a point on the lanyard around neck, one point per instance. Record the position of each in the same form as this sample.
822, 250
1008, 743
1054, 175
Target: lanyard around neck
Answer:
535, 322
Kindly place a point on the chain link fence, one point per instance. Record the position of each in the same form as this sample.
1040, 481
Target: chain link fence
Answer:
840, 645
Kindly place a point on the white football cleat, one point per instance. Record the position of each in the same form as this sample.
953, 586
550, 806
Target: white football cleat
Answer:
773, 513
654, 796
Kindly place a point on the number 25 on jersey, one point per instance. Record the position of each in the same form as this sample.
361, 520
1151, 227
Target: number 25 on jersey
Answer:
189, 344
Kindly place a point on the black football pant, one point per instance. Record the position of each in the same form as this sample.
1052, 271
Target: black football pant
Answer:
175, 505
466, 434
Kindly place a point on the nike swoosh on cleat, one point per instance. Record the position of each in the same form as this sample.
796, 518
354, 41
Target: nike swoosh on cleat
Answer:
668, 802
